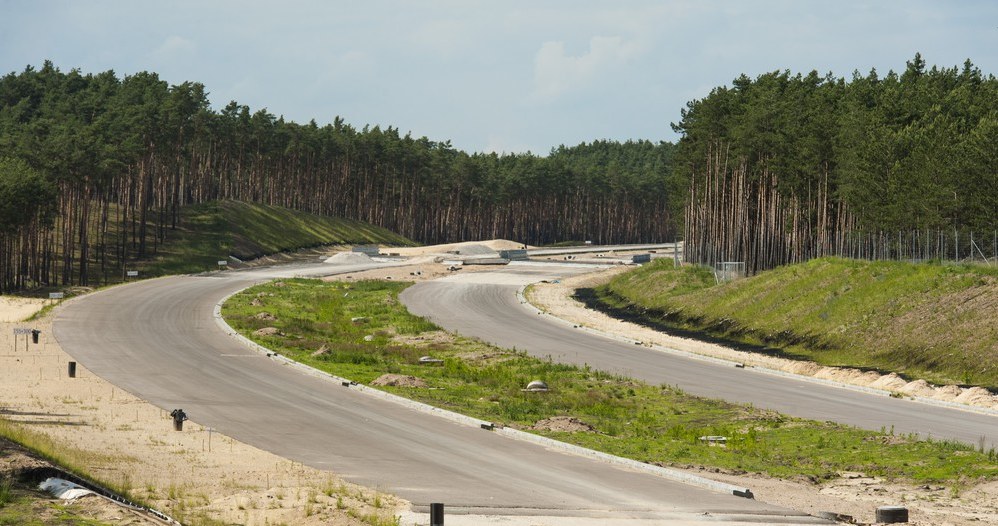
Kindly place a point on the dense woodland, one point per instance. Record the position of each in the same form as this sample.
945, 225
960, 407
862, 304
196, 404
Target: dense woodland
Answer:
783, 168
99, 168
95, 169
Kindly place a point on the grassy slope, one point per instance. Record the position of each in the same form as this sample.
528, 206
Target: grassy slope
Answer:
649, 423
22, 504
213, 231
931, 321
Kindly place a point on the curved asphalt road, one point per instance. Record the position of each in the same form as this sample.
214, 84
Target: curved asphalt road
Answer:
485, 305
158, 340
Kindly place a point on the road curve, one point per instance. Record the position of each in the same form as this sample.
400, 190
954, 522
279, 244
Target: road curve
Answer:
485, 305
157, 339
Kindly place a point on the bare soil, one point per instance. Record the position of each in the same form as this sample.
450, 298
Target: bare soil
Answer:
567, 424
399, 380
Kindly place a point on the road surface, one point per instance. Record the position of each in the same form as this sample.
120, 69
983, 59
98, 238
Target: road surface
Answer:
485, 305
158, 340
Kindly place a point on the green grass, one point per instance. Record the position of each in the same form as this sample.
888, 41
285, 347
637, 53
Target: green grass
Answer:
211, 232
931, 321
76, 461
21, 503
32, 508
657, 424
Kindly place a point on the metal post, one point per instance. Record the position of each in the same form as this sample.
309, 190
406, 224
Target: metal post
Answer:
72, 370
437, 514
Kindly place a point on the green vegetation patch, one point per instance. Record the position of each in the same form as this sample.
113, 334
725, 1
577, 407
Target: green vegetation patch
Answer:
21, 503
930, 321
213, 231
361, 331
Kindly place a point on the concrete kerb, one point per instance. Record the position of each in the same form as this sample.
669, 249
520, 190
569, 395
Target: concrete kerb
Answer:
521, 297
667, 473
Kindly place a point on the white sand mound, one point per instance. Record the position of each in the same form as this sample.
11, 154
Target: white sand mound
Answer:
17, 309
889, 382
474, 249
493, 245
349, 258
977, 396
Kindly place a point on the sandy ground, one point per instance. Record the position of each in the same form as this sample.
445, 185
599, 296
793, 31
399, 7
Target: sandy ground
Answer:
196, 473
190, 474
17, 309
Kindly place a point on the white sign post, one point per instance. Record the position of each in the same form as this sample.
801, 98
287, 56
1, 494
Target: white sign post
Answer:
18, 331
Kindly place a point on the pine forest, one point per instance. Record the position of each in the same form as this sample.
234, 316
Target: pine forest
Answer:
95, 170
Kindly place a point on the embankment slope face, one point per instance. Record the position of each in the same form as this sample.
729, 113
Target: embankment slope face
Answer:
922, 321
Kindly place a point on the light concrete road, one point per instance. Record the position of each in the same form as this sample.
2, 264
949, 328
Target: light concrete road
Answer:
157, 339
603, 249
485, 305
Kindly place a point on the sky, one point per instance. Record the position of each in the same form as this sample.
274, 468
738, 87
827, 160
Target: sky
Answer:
500, 75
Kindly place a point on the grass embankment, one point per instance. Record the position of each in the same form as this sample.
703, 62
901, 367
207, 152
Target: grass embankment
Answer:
23, 504
930, 321
211, 232
315, 325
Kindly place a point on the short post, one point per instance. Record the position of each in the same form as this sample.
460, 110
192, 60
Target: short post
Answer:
72, 370
437, 514
34, 336
892, 514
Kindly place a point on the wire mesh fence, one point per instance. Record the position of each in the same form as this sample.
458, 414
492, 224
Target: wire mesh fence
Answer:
956, 245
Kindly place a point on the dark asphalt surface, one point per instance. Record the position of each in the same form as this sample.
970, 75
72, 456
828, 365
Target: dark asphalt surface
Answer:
486, 306
158, 340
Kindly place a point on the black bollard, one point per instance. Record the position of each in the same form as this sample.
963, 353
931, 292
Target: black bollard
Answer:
178, 419
892, 514
34, 336
437, 514
72, 369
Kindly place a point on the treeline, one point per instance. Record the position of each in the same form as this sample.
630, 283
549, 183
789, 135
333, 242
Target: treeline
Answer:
113, 160
783, 168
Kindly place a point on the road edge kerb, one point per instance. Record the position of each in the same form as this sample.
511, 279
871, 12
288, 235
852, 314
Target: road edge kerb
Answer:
525, 303
667, 473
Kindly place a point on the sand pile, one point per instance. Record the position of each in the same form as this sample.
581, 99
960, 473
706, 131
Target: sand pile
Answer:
17, 309
493, 246
476, 250
349, 258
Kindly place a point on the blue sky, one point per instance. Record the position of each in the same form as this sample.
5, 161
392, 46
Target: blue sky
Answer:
489, 75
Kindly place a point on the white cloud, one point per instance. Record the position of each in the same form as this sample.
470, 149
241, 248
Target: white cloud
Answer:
175, 46
556, 73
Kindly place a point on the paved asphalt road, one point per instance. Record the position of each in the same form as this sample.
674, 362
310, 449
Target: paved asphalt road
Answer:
157, 339
485, 305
